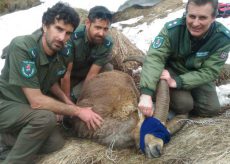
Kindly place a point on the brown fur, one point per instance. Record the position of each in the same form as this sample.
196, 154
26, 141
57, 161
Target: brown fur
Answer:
113, 95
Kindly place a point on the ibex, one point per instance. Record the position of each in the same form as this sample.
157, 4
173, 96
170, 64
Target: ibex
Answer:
114, 96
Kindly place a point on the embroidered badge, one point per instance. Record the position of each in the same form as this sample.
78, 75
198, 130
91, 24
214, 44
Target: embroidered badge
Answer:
202, 54
224, 55
108, 43
61, 72
28, 68
158, 41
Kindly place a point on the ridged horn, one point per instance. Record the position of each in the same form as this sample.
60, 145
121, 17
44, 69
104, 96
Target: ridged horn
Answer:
162, 101
136, 58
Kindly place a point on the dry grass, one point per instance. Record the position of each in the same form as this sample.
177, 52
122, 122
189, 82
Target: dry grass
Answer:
202, 140
121, 50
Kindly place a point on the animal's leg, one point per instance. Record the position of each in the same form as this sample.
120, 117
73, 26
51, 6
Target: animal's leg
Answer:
176, 123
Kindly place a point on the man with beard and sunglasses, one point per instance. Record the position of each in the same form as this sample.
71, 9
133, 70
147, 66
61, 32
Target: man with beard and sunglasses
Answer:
189, 54
92, 51
33, 67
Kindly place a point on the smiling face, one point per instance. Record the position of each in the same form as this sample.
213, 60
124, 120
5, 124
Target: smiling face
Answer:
97, 30
55, 36
199, 19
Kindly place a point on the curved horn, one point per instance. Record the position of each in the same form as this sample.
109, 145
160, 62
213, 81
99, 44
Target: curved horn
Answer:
162, 101
136, 58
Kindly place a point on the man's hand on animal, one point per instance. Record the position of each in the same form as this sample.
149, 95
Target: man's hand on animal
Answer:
166, 76
92, 119
146, 105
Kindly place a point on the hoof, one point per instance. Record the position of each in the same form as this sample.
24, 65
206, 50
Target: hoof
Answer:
153, 146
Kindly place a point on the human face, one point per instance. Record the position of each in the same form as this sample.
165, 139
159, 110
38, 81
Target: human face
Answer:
97, 30
55, 36
199, 19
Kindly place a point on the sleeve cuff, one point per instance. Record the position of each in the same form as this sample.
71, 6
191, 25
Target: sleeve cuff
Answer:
178, 82
147, 91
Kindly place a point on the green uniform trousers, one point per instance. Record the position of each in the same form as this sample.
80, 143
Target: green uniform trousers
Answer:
202, 101
35, 131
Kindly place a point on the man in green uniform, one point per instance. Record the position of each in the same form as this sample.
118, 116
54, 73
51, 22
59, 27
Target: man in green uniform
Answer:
92, 50
189, 54
33, 66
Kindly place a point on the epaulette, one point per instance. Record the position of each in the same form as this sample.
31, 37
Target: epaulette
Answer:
79, 32
174, 23
67, 50
108, 42
224, 30
33, 52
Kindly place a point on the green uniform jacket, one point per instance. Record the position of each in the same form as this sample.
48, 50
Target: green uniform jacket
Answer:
86, 55
194, 62
27, 65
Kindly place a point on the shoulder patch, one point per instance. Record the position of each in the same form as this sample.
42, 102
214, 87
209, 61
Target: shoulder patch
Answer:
79, 32
224, 55
174, 23
28, 69
108, 42
158, 41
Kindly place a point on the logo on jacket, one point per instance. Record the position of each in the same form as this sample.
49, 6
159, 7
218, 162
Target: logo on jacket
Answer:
224, 55
28, 68
61, 72
202, 54
158, 41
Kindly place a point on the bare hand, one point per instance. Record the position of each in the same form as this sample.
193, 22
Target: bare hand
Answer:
166, 76
91, 118
146, 105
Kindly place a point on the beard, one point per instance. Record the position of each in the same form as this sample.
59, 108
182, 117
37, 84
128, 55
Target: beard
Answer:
54, 45
97, 40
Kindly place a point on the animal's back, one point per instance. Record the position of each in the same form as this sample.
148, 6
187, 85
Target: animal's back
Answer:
114, 96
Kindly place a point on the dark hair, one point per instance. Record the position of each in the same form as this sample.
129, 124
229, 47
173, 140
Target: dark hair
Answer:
214, 4
100, 12
61, 11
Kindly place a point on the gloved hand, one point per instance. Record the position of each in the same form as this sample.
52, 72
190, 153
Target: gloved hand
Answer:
146, 105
